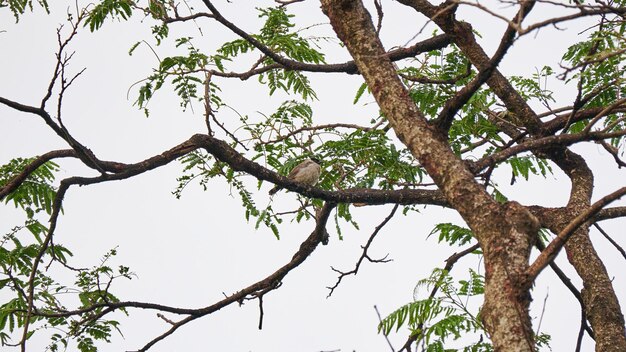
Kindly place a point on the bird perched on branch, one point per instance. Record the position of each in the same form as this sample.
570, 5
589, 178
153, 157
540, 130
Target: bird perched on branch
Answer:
306, 173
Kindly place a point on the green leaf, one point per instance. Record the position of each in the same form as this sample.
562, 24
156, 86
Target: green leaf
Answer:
360, 92
116, 9
452, 234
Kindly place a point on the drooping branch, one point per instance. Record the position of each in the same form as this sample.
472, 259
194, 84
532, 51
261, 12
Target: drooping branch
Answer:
568, 283
364, 254
306, 248
612, 241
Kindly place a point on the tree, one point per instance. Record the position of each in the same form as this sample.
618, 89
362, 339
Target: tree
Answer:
450, 128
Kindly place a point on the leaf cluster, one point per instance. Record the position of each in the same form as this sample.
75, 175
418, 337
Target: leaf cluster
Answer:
186, 73
92, 287
115, 9
36, 193
278, 36
601, 77
436, 320
452, 234
18, 7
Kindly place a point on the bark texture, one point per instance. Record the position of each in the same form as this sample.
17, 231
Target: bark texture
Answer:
604, 312
601, 304
505, 232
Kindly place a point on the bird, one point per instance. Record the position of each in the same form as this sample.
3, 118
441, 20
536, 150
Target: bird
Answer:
307, 173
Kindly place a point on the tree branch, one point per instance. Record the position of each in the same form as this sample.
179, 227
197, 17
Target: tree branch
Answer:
434, 43
568, 283
452, 106
555, 246
364, 255
306, 248
56, 209
612, 241
16, 181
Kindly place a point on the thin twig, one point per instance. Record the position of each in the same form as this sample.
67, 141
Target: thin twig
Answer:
615, 244
380, 320
364, 254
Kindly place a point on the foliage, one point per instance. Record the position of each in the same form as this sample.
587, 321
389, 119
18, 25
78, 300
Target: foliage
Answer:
92, 287
277, 36
18, 254
601, 57
183, 72
436, 320
354, 156
525, 165
36, 193
446, 316
18, 7
452, 234
117, 9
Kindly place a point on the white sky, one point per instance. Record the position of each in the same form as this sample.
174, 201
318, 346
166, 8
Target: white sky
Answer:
189, 252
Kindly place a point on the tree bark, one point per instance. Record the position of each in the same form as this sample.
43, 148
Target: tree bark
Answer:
601, 304
603, 309
505, 232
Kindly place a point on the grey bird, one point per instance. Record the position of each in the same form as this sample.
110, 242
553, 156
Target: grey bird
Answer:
307, 173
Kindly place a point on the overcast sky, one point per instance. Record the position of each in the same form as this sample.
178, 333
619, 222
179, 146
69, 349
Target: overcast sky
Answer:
189, 252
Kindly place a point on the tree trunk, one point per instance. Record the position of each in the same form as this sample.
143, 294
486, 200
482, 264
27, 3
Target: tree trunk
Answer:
601, 304
505, 232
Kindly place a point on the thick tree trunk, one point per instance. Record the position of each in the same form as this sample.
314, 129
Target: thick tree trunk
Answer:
603, 309
601, 304
505, 232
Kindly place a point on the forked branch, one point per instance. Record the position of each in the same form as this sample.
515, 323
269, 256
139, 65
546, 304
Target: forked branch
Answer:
551, 251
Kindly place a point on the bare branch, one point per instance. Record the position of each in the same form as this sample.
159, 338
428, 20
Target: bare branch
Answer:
612, 241
287, 2
380, 321
614, 153
306, 248
555, 246
364, 255
178, 18
568, 283
322, 127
